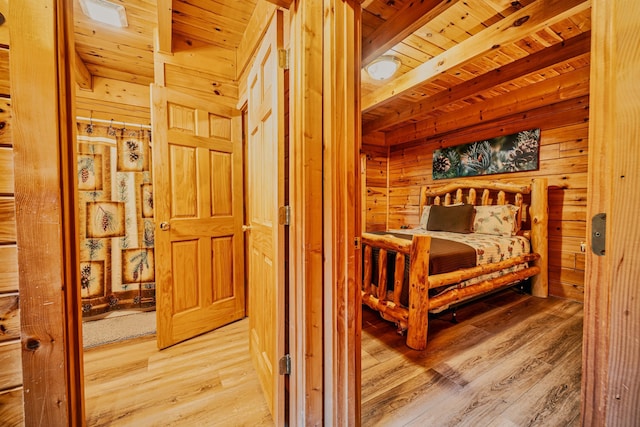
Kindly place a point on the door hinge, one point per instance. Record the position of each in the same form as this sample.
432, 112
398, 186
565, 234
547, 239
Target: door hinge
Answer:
284, 215
283, 58
285, 365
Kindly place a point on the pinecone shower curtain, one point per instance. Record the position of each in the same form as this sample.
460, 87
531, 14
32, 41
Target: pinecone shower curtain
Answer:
115, 219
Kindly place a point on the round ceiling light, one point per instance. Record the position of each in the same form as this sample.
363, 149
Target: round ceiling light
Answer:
383, 67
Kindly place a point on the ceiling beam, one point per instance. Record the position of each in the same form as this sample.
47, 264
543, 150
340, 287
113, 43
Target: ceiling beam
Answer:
548, 57
571, 85
527, 20
281, 3
164, 42
413, 16
84, 79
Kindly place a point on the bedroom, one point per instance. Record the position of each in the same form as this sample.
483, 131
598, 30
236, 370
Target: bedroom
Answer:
461, 142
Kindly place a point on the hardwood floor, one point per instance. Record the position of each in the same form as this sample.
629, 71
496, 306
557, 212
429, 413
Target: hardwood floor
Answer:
206, 381
512, 360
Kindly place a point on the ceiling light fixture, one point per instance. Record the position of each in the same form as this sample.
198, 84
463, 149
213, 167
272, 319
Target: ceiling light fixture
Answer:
383, 67
105, 12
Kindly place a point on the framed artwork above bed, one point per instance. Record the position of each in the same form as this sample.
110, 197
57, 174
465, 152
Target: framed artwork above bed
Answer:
503, 154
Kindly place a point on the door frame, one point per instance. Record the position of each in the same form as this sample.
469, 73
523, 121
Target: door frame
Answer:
43, 99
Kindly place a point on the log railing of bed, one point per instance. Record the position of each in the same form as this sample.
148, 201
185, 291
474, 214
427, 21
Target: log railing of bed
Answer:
414, 317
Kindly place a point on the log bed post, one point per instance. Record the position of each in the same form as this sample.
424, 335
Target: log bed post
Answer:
539, 211
419, 293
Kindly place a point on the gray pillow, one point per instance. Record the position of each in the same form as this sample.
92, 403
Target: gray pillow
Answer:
456, 219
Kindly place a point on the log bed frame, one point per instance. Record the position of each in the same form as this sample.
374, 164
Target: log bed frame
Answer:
414, 319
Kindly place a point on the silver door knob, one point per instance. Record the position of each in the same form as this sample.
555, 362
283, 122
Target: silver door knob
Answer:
246, 228
164, 226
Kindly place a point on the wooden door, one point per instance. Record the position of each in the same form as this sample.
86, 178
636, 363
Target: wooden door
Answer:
265, 196
197, 178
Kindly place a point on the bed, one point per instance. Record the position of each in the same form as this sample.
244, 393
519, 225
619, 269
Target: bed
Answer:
406, 272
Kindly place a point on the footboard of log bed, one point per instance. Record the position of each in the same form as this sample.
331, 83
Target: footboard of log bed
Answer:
414, 317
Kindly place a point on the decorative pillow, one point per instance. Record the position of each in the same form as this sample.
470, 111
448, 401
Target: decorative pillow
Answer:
456, 219
424, 218
498, 220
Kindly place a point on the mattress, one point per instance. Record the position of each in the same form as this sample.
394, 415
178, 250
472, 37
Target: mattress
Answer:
453, 251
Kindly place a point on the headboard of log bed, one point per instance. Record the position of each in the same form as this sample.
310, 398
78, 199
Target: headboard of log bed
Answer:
531, 218
531, 221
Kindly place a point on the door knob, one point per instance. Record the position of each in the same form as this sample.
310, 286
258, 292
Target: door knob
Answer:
164, 226
246, 228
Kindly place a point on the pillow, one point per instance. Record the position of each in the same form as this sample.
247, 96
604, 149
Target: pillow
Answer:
456, 219
424, 218
498, 220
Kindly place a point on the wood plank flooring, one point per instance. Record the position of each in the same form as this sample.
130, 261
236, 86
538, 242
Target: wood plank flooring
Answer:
512, 360
206, 381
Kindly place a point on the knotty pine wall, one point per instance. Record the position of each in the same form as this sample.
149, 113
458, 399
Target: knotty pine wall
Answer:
394, 180
11, 390
114, 100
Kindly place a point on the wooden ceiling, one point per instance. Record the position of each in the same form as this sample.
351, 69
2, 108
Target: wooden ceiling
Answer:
456, 54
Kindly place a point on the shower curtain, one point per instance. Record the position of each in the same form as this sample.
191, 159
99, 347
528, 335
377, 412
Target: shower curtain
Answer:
115, 198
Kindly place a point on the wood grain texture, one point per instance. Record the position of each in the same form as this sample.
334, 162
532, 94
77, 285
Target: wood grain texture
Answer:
41, 101
611, 387
9, 318
8, 268
11, 412
529, 19
132, 383
341, 219
306, 257
114, 100
409, 167
6, 165
11, 373
7, 220
501, 365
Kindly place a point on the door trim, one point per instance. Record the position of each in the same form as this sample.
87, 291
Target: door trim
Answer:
43, 98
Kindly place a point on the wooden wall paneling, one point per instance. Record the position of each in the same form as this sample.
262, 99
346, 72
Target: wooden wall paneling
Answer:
114, 100
4, 29
218, 60
8, 268
610, 381
306, 247
7, 220
341, 222
11, 373
6, 166
11, 391
42, 96
198, 82
5, 86
9, 318
5, 118
376, 188
11, 412
565, 169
